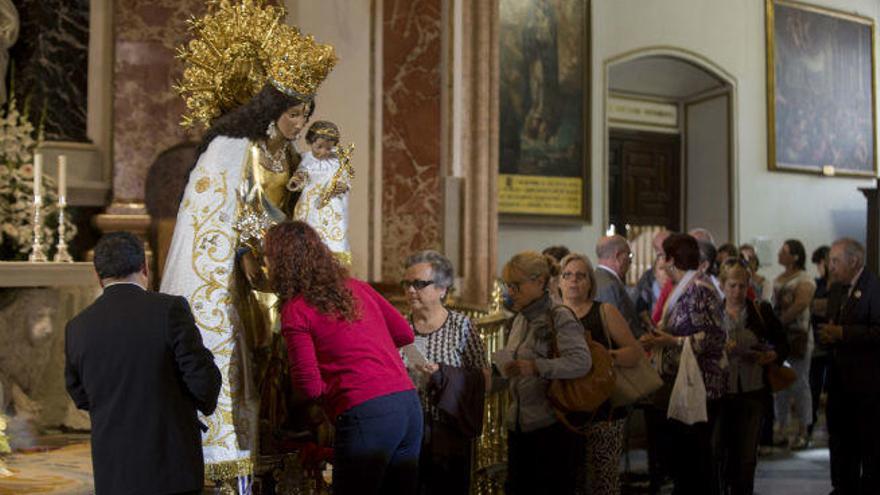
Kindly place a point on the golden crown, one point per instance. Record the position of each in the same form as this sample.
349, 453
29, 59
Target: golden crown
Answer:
239, 46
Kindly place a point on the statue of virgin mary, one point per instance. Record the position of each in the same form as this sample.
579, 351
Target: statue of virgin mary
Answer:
251, 80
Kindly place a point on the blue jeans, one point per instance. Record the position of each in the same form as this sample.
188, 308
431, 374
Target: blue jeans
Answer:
377, 446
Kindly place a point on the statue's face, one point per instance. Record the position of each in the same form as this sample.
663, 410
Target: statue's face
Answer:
292, 121
323, 148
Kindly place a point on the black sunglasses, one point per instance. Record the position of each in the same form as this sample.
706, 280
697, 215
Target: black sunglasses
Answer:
415, 284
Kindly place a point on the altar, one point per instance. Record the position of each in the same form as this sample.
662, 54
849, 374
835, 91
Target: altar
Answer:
36, 301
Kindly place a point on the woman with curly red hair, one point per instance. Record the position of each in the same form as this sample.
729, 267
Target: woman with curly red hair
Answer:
342, 340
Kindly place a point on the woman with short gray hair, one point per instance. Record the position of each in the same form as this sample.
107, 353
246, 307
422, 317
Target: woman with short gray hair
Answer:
454, 353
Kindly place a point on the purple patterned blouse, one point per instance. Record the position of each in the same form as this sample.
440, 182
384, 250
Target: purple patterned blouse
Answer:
698, 312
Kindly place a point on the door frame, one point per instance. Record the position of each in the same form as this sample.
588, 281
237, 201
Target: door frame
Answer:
705, 64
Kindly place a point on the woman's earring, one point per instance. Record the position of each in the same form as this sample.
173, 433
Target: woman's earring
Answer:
272, 130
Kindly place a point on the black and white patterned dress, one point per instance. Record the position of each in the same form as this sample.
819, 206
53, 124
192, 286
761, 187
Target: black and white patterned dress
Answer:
455, 343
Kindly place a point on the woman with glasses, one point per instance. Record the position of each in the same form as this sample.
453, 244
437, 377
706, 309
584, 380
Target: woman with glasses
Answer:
541, 451
456, 370
754, 339
604, 434
342, 340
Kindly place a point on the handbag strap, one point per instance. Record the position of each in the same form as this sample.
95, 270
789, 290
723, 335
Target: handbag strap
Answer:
604, 323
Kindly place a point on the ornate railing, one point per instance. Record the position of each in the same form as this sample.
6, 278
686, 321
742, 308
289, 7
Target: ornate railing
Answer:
489, 468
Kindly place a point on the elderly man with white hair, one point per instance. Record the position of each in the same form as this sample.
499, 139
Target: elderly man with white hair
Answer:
854, 386
614, 261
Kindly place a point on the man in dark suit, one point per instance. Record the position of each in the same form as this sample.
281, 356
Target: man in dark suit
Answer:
854, 377
615, 258
136, 363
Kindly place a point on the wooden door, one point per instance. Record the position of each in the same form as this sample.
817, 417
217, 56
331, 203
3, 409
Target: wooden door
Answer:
644, 180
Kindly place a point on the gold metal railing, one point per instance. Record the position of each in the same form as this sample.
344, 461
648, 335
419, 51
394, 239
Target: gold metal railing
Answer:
489, 468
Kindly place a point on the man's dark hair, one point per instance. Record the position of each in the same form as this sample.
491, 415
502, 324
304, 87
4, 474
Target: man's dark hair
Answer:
118, 255
557, 252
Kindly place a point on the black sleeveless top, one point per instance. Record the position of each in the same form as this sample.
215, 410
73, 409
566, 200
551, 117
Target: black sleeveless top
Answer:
592, 322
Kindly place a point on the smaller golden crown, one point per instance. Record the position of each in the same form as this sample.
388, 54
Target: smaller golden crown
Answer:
328, 133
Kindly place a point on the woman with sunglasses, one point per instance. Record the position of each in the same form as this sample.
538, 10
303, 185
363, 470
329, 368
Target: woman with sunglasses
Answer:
604, 434
541, 452
342, 340
456, 370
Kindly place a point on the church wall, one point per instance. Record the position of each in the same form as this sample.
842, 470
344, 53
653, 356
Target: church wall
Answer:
411, 131
346, 98
146, 110
729, 33
385, 94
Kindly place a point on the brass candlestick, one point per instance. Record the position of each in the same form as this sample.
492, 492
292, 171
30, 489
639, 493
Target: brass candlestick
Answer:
38, 254
61, 254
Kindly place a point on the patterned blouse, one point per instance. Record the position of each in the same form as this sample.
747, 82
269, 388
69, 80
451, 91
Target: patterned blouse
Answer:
455, 343
698, 312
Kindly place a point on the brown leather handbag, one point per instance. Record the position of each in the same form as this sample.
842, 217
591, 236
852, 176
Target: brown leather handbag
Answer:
780, 377
587, 393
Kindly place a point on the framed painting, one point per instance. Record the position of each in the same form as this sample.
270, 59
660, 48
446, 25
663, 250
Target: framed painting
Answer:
544, 110
821, 116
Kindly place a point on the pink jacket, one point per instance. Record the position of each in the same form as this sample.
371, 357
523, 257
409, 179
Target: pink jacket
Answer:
346, 363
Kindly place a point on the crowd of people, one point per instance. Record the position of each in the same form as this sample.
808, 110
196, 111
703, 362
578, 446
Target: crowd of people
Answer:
405, 393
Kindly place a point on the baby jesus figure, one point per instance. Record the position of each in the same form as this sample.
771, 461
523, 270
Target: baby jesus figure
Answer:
324, 178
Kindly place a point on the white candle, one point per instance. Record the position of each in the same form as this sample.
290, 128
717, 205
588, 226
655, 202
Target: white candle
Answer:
62, 176
38, 175
255, 155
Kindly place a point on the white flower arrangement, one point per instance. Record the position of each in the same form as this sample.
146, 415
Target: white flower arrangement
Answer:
17, 144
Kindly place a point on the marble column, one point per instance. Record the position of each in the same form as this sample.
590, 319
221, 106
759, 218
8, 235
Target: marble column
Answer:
146, 110
411, 131
49, 60
478, 133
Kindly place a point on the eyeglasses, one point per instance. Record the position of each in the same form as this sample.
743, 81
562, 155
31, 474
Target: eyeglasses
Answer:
577, 276
415, 284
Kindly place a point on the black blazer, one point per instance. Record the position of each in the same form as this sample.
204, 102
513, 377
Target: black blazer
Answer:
136, 362
855, 363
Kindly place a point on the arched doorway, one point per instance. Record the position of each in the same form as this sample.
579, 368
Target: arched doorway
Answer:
669, 134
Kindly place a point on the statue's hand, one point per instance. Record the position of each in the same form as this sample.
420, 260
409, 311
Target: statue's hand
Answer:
297, 181
253, 271
341, 188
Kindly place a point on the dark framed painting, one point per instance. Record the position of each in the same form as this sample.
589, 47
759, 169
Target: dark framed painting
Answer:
821, 116
544, 110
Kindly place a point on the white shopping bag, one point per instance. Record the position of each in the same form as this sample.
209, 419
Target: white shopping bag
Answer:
688, 400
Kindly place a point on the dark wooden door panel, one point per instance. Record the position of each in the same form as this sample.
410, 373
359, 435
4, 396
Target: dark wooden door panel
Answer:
644, 179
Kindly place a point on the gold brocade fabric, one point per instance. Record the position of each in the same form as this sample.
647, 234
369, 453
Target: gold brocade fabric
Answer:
236, 322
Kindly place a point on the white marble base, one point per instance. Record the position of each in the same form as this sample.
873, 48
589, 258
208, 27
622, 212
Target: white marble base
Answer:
49, 274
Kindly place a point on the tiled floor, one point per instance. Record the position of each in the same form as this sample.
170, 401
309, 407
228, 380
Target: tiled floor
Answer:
783, 473
67, 471
796, 473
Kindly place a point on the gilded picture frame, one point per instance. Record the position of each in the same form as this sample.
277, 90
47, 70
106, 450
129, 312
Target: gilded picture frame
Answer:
821, 90
544, 114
